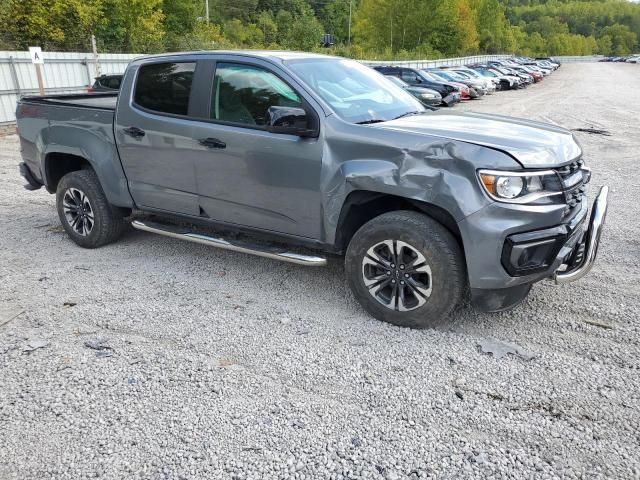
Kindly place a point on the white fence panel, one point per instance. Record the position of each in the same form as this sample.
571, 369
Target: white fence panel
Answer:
443, 62
578, 59
62, 72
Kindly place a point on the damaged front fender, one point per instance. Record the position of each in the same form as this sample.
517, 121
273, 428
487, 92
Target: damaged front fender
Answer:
429, 169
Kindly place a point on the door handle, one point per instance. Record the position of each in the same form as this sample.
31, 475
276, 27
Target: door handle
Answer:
134, 132
212, 143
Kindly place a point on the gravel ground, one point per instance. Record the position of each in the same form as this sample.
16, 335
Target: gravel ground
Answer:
155, 358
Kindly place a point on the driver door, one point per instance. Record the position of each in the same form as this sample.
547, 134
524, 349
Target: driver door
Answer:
246, 175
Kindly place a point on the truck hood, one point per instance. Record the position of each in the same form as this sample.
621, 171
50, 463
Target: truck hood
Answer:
533, 144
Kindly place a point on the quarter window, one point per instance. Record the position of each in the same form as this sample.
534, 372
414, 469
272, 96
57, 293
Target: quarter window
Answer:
165, 87
244, 93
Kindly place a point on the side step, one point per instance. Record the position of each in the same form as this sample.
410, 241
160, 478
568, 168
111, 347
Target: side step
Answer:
275, 253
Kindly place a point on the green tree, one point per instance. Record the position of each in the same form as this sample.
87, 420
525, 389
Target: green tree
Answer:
205, 36
304, 34
181, 18
335, 18
267, 24
605, 45
51, 24
132, 25
494, 29
242, 34
623, 40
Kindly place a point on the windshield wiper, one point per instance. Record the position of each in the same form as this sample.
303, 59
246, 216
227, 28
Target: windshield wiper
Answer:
373, 120
407, 114
378, 120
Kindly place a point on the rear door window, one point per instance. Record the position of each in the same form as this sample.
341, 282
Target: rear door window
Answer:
243, 94
165, 87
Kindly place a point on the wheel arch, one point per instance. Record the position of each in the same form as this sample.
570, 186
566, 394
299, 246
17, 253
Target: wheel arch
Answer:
58, 164
360, 206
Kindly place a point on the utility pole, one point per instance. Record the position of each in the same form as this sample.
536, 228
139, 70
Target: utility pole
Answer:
96, 59
206, 10
350, 2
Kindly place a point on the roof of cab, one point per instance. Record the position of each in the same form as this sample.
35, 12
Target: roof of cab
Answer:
277, 55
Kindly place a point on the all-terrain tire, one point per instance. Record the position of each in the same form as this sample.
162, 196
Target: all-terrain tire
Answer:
421, 245
79, 193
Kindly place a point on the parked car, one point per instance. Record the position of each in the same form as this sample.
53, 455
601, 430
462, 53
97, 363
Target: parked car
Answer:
450, 93
551, 60
633, 59
547, 64
476, 88
301, 156
489, 84
426, 96
465, 91
537, 76
106, 83
506, 82
527, 79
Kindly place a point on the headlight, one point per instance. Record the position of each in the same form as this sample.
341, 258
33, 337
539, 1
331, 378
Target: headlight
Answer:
427, 95
519, 187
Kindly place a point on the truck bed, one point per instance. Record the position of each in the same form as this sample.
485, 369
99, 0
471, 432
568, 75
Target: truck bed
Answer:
102, 101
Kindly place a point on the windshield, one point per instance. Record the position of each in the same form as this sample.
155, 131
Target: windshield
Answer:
469, 73
488, 73
447, 76
433, 77
397, 81
356, 93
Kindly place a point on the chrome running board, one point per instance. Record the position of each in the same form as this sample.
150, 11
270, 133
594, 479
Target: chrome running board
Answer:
275, 253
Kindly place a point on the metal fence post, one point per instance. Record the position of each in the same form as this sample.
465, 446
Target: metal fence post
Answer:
14, 75
86, 64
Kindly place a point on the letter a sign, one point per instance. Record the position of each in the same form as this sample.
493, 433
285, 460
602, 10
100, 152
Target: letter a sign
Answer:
36, 55
37, 60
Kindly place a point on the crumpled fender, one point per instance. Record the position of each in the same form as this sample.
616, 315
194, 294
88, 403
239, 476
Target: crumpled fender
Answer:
429, 169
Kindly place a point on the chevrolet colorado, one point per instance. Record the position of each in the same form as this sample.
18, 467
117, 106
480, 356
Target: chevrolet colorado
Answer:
298, 156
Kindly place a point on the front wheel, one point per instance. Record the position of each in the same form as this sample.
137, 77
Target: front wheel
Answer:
406, 269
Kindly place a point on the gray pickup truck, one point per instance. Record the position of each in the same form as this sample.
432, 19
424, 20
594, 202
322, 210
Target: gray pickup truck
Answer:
296, 156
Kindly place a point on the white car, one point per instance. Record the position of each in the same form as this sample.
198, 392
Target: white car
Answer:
489, 84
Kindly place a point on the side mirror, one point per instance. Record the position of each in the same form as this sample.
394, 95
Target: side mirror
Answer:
289, 120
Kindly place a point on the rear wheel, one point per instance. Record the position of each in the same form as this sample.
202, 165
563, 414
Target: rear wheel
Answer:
407, 269
84, 211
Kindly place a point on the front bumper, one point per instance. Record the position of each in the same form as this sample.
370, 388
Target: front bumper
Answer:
582, 258
431, 102
564, 249
451, 99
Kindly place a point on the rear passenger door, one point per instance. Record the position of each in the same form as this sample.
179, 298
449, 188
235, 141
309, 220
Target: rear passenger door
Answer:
154, 134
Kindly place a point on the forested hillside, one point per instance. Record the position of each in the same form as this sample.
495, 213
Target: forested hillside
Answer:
379, 28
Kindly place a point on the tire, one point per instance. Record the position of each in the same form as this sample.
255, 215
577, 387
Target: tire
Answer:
430, 265
84, 211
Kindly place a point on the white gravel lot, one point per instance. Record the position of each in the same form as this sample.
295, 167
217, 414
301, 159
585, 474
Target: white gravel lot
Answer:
221, 365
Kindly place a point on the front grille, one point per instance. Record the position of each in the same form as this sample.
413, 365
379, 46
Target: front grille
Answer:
573, 178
